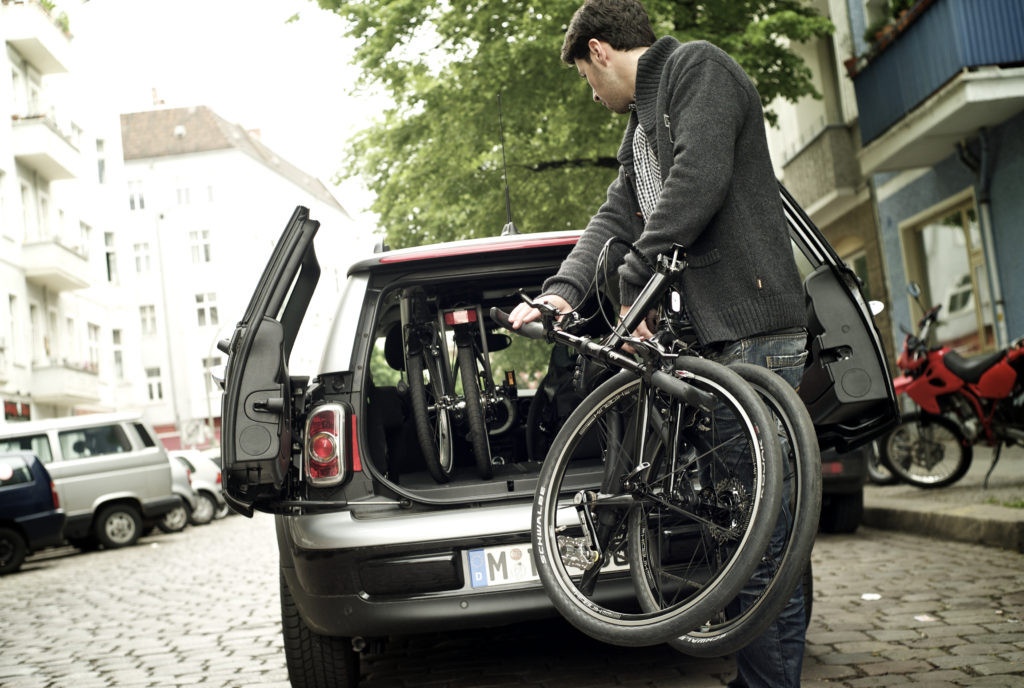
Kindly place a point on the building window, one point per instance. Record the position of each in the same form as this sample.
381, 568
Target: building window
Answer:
108, 243
206, 309
94, 346
101, 162
945, 256
147, 315
858, 262
142, 257
200, 242
136, 201
153, 384
184, 197
115, 336
85, 236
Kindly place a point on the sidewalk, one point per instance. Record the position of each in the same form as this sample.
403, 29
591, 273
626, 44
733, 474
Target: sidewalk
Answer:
964, 511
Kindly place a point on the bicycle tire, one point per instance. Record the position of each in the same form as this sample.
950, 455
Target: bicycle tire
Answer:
583, 604
802, 494
477, 426
434, 434
911, 445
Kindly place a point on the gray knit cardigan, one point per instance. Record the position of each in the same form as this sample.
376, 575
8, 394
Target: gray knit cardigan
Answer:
720, 199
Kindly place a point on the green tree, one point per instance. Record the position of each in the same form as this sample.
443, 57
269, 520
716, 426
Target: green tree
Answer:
434, 160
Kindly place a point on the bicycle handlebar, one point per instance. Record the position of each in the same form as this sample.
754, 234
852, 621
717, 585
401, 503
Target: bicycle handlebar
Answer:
533, 330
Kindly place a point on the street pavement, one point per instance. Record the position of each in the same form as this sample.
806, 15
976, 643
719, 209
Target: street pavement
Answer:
200, 608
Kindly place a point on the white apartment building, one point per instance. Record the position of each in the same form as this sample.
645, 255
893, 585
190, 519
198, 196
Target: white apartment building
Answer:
60, 184
206, 202
130, 244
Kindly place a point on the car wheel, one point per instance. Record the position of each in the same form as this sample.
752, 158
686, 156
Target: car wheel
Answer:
206, 507
12, 550
842, 513
314, 660
222, 511
175, 520
118, 525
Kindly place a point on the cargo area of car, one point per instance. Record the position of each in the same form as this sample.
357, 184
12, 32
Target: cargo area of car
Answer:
532, 392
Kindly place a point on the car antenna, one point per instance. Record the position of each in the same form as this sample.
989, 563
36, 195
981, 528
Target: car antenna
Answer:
510, 226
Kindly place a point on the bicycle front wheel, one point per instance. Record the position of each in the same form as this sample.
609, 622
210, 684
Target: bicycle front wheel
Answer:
706, 482
786, 561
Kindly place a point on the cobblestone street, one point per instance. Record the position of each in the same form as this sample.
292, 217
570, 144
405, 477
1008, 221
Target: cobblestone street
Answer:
201, 608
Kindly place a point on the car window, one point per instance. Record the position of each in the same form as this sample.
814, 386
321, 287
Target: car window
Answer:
85, 442
14, 471
147, 439
37, 444
185, 462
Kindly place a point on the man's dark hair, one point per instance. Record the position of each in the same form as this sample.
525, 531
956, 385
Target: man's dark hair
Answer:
622, 24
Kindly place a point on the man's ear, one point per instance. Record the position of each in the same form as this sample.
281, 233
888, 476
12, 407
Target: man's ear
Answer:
598, 51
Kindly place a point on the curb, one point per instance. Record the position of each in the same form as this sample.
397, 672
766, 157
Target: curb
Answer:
979, 523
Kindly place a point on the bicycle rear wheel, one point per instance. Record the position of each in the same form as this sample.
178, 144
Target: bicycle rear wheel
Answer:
477, 427
431, 416
640, 444
787, 557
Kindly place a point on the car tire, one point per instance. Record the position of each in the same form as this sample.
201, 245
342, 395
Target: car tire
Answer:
842, 513
118, 525
222, 512
206, 507
314, 660
12, 550
175, 520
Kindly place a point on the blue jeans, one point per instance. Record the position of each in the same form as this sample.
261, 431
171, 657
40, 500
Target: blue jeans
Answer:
775, 658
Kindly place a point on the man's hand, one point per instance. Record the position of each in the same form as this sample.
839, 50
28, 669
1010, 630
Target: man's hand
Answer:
643, 330
524, 312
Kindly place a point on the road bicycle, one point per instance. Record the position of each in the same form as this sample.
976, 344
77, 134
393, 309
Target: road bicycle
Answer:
671, 469
482, 409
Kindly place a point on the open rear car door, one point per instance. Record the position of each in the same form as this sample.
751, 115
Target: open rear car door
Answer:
847, 386
256, 410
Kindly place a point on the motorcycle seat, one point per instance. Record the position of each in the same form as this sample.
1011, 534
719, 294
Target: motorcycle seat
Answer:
971, 369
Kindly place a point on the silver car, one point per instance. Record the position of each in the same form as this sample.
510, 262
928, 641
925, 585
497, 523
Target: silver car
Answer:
371, 542
206, 483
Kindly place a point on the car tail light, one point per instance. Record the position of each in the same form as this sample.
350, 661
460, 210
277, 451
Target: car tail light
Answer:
56, 499
328, 449
188, 474
460, 317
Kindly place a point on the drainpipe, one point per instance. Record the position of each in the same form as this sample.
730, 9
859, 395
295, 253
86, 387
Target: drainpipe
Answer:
983, 172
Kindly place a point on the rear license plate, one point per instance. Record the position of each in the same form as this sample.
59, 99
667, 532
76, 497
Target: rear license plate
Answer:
511, 564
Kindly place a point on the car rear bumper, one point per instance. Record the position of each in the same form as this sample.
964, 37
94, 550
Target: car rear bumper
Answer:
44, 529
380, 576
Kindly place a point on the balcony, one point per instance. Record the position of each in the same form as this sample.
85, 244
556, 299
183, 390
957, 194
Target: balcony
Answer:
64, 384
32, 32
51, 264
942, 77
40, 145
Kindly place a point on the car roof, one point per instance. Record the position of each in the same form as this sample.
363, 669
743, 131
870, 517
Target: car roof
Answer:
32, 426
496, 247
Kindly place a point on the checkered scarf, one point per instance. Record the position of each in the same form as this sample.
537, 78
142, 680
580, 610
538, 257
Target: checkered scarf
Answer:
648, 173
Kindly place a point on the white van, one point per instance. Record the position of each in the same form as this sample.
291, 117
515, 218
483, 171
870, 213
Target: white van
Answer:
112, 475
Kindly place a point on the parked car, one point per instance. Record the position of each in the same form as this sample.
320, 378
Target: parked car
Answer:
372, 544
175, 520
112, 476
206, 482
30, 515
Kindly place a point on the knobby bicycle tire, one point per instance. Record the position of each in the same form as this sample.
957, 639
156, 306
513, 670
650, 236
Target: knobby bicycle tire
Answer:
745, 526
729, 632
909, 450
434, 433
477, 432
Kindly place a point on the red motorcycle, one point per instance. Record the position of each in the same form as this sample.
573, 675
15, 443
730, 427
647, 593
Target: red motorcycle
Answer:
962, 401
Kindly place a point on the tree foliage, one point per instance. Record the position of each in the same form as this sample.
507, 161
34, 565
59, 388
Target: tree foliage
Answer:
434, 159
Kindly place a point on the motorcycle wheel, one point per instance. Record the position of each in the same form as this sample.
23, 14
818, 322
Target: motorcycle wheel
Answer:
927, 451
878, 472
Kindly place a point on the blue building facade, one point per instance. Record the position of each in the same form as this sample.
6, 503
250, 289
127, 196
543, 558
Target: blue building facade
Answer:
940, 96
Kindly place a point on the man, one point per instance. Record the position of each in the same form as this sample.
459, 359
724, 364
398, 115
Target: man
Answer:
694, 171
